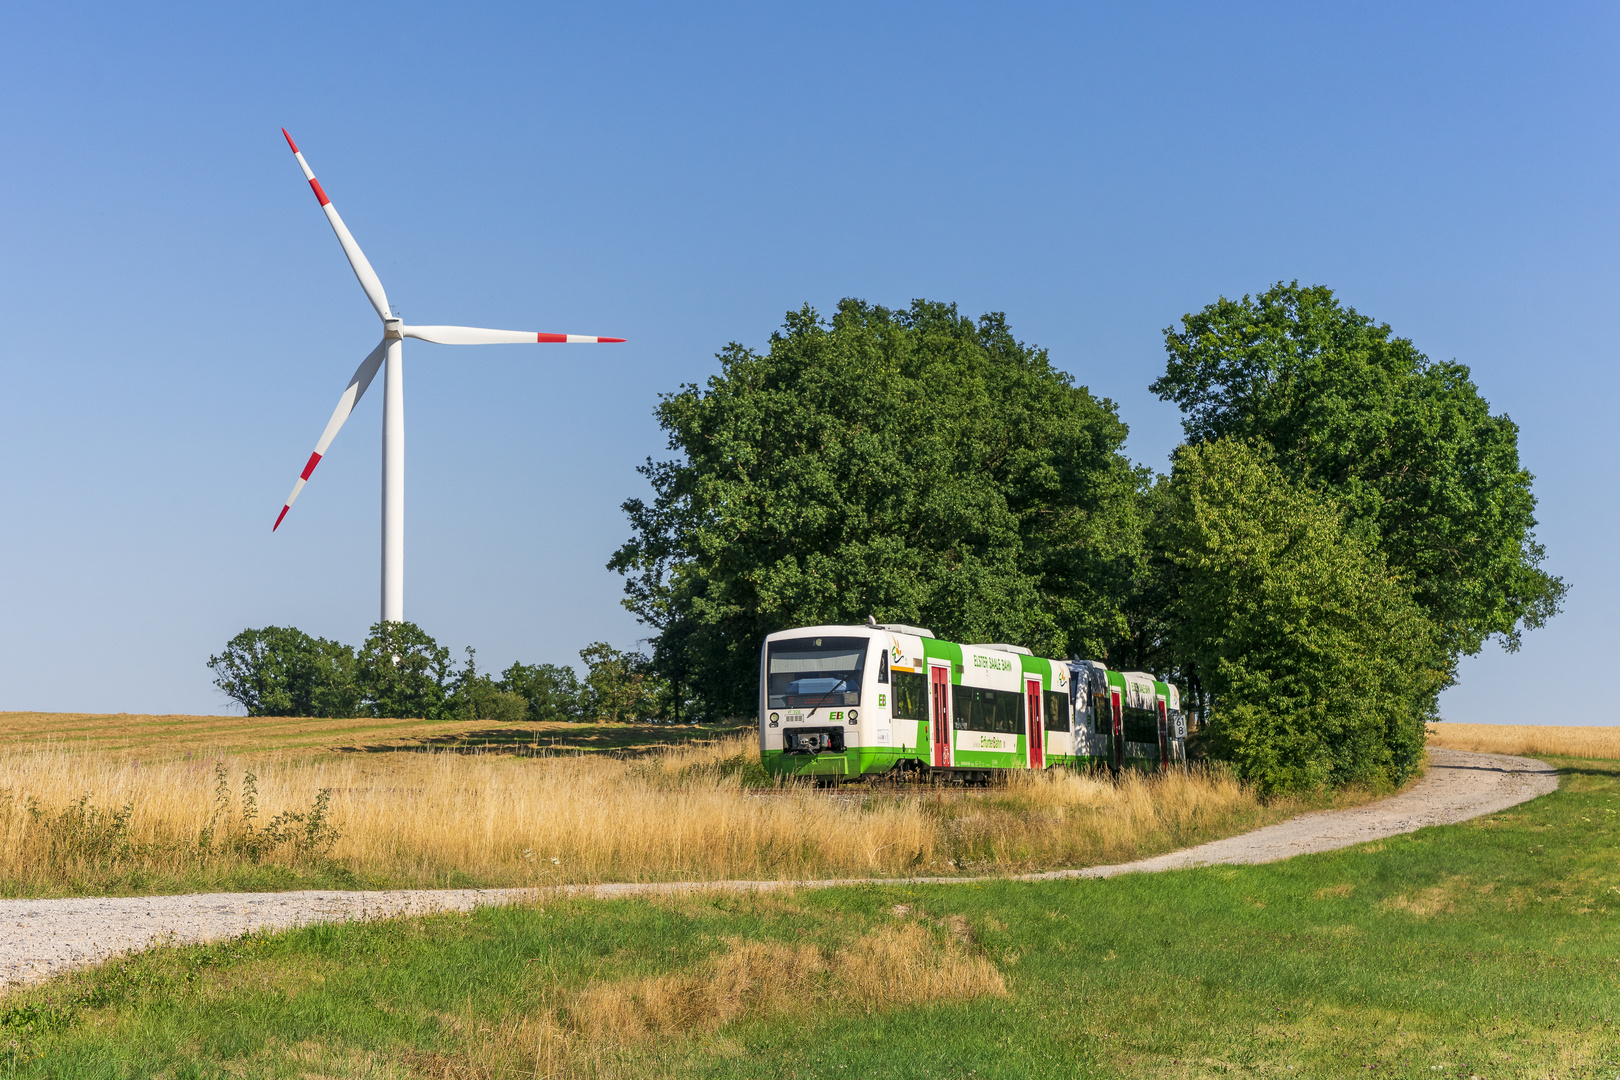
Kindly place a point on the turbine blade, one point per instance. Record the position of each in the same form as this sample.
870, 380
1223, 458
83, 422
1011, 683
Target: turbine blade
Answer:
351, 395
473, 335
357, 258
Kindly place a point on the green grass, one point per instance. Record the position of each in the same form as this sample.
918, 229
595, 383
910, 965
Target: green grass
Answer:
1488, 949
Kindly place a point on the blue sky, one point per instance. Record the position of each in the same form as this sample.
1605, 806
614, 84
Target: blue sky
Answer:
179, 321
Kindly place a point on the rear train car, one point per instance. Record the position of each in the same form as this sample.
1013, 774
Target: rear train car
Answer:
1127, 719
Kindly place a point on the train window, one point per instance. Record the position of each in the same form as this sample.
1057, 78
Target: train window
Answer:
883, 667
975, 709
1141, 725
1057, 710
910, 693
1102, 721
815, 672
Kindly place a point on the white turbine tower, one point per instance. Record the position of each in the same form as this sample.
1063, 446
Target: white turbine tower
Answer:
389, 349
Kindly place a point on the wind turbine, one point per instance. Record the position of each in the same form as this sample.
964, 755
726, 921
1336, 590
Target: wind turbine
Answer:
389, 350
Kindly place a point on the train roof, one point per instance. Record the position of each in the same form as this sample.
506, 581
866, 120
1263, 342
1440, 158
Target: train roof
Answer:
1125, 680
887, 630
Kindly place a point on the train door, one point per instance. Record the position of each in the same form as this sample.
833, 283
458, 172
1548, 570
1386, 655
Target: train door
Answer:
1164, 736
1033, 722
1097, 736
939, 680
1117, 738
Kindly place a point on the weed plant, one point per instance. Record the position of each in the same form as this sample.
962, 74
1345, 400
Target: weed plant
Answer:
82, 845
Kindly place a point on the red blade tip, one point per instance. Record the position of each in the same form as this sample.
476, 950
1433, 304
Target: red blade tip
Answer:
290, 143
610, 340
279, 516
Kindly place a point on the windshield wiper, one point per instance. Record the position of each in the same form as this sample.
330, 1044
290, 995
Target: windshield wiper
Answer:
844, 683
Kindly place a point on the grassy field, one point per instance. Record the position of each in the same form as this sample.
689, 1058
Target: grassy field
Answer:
163, 804
144, 804
446, 819
1487, 949
1533, 740
172, 736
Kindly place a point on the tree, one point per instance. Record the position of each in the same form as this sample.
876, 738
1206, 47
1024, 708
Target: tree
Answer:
403, 672
551, 691
1146, 643
1407, 445
1323, 667
400, 672
911, 465
282, 671
618, 685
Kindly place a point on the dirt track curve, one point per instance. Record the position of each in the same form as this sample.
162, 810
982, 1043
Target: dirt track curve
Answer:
41, 938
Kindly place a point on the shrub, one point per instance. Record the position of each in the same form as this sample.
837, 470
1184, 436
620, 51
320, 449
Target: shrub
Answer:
478, 697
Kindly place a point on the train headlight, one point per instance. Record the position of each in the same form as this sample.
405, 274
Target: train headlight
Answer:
775, 718
853, 716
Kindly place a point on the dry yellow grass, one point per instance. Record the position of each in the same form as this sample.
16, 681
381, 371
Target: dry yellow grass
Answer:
1435, 900
886, 967
1528, 739
432, 817
437, 818
596, 1030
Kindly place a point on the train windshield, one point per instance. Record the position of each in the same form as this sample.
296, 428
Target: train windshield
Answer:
809, 673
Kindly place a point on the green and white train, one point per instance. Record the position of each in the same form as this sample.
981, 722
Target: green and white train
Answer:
884, 698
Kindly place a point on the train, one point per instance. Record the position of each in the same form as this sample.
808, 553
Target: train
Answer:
888, 699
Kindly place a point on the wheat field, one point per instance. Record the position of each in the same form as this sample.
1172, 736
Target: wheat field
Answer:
77, 819
1531, 740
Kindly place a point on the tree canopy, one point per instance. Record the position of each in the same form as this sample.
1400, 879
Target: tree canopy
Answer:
915, 465
282, 671
401, 671
405, 673
1322, 666
1409, 447
552, 691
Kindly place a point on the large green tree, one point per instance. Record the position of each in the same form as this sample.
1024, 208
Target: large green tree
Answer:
282, 671
1429, 476
913, 465
403, 672
1322, 667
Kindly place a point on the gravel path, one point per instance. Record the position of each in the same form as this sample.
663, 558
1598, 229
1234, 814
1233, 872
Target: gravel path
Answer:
1457, 786
41, 938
